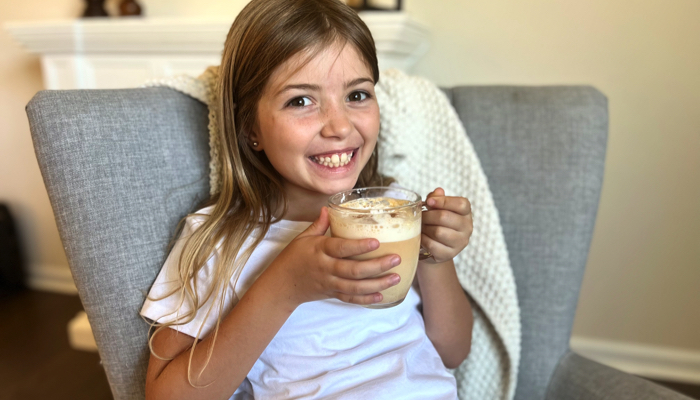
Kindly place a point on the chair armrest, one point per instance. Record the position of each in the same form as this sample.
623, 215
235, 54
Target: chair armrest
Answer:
578, 378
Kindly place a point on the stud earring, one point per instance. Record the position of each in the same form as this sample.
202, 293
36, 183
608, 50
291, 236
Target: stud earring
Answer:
255, 144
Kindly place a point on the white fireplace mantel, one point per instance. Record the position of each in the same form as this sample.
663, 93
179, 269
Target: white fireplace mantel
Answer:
126, 52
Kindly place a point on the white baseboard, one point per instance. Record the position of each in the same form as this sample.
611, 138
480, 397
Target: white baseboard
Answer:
80, 333
51, 278
651, 361
58, 279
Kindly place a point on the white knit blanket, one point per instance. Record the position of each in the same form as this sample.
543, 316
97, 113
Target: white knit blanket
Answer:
423, 145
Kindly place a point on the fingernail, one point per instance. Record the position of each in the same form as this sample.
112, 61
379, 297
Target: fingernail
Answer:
431, 202
395, 261
374, 244
395, 279
377, 298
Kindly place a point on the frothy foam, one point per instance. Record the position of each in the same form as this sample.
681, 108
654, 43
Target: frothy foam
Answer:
384, 226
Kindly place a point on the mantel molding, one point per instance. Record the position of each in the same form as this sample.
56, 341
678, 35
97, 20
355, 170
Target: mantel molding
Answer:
399, 38
124, 35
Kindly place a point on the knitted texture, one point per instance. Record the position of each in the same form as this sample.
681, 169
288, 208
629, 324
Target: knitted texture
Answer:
203, 89
423, 144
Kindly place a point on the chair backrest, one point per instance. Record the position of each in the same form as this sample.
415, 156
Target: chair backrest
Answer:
543, 152
123, 166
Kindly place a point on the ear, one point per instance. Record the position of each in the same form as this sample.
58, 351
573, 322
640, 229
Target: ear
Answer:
253, 138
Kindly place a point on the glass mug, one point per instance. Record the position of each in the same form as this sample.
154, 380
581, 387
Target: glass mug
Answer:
390, 215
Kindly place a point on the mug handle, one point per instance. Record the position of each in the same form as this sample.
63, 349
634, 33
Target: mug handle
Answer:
424, 253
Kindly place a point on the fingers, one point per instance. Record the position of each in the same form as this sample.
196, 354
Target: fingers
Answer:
351, 269
437, 192
318, 227
362, 300
459, 205
343, 248
446, 236
444, 218
439, 251
365, 291
359, 282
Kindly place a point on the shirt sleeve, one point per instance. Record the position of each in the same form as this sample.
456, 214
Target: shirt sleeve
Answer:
165, 302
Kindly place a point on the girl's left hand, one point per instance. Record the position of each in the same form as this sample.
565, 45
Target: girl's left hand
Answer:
446, 226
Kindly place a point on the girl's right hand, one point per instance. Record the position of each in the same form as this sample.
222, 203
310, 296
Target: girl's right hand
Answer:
314, 267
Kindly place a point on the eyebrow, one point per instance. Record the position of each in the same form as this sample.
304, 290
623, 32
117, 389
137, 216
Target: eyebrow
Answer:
357, 81
306, 86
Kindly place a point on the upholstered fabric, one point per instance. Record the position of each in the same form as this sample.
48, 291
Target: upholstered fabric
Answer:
577, 378
543, 151
122, 166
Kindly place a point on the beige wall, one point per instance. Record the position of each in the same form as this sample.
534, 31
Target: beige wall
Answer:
21, 186
642, 281
643, 273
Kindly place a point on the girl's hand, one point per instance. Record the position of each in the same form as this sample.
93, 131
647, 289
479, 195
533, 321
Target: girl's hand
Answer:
446, 226
314, 267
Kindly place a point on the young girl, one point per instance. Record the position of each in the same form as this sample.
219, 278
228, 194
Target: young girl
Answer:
254, 297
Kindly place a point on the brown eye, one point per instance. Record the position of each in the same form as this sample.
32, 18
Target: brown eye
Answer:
357, 96
299, 102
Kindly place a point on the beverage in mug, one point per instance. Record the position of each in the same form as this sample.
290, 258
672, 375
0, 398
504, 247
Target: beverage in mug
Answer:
390, 215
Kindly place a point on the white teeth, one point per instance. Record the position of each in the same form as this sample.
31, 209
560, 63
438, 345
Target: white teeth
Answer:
336, 160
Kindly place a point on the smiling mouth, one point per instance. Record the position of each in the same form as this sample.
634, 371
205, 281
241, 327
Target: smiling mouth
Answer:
334, 160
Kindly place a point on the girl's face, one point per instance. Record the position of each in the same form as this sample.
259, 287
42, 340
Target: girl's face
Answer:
322, 113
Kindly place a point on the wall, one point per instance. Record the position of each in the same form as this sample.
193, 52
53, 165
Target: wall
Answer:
21, 186
642, 281
642, 278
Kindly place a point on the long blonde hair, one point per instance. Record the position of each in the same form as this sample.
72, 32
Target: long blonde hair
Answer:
264, 35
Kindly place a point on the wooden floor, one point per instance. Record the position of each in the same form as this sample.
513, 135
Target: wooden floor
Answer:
692, 391
37, 363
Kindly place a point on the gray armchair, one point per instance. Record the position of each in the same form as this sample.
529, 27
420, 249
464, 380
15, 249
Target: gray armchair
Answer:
123, 166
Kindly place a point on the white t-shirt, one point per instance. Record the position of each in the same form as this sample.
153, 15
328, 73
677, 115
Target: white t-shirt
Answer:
327, 349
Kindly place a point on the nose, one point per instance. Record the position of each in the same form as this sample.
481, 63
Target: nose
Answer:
337, 122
